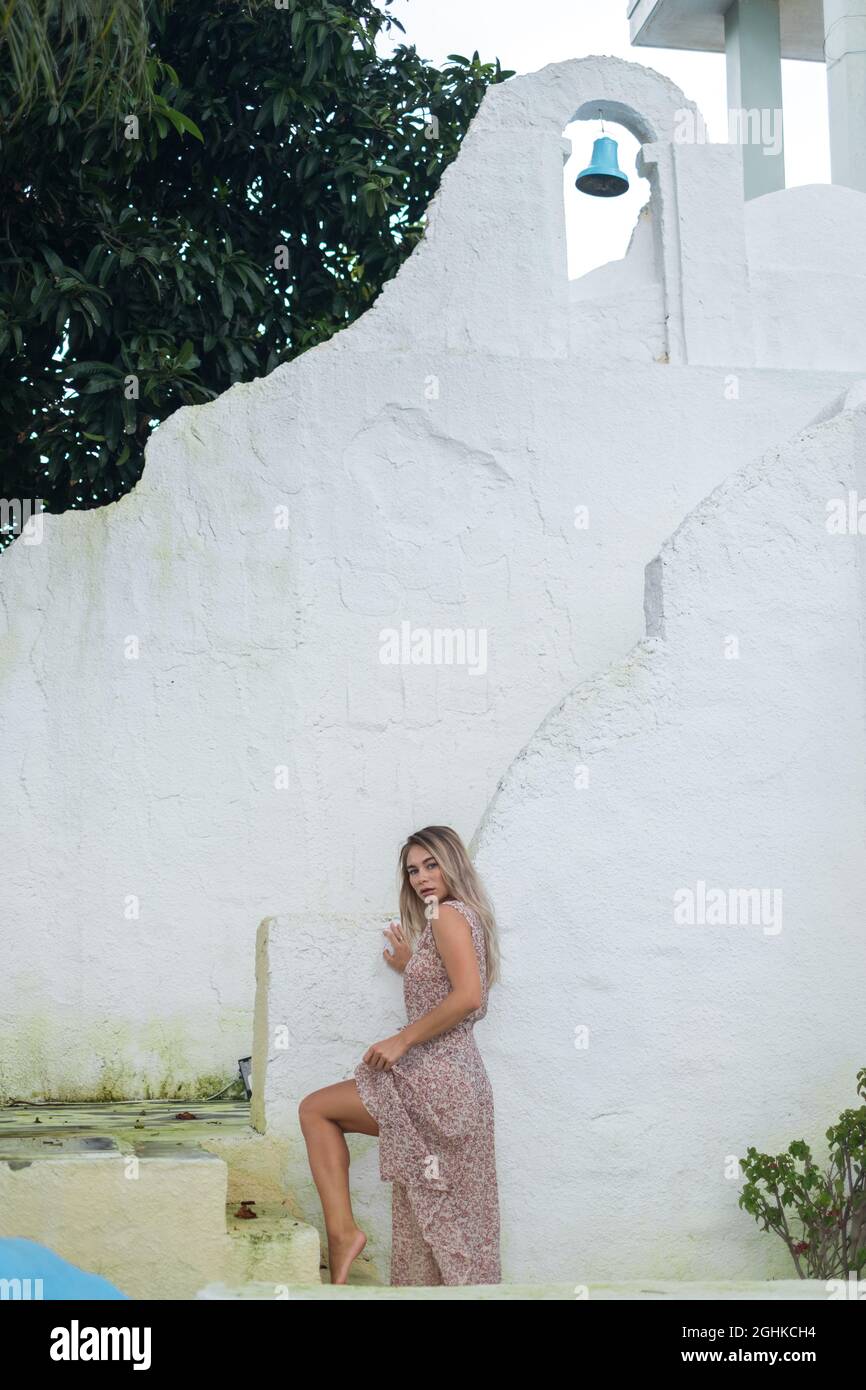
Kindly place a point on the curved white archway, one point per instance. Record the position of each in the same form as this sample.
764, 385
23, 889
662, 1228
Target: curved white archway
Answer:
598, 230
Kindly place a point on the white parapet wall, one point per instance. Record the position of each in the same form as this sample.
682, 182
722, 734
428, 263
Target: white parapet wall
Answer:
196, 728
324, 994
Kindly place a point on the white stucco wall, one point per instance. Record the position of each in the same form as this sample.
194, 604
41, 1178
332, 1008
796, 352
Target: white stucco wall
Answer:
681, 765
636, 1053
430, 459
304, 1033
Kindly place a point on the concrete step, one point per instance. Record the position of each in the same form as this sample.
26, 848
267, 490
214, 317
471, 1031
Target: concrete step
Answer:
153, 1218
793, 1290
255, 1161
270, 1245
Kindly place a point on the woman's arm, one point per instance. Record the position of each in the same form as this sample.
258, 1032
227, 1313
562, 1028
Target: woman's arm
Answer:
453, 937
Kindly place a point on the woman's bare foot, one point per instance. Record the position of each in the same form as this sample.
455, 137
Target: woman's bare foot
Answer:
342, 1250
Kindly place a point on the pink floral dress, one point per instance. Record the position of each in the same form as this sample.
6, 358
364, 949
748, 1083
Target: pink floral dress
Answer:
434, 1109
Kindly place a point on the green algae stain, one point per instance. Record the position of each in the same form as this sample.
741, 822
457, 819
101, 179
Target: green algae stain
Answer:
115, 1061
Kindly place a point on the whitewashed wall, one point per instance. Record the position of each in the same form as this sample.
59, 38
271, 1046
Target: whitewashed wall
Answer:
679, 858
430, 459
307, 1035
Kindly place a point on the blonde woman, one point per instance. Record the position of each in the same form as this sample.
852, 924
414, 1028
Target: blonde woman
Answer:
424, 1091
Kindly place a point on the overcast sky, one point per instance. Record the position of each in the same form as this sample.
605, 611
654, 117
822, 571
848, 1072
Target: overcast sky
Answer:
527, 36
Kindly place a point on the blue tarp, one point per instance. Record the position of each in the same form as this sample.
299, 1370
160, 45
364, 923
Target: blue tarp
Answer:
26, 1259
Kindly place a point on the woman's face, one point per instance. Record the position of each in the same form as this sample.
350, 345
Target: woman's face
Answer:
425, 876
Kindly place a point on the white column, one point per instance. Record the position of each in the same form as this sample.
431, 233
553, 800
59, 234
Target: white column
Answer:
754, 69
845, 56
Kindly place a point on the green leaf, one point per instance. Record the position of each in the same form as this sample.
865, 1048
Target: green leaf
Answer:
86, 368
91, 308
182, 122
95, 386
185, 354
53, 260
106, 269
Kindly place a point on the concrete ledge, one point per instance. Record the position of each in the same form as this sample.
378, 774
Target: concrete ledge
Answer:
791, 1290
255, 1161
155, 1223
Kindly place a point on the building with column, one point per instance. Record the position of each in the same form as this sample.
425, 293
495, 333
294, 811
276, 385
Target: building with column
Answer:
755, 35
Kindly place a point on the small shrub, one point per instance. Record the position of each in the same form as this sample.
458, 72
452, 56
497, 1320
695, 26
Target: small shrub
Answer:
821, 1216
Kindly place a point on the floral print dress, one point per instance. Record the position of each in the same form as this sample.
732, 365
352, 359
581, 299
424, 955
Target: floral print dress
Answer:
434, 1109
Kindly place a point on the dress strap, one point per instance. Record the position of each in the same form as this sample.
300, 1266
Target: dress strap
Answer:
462, 908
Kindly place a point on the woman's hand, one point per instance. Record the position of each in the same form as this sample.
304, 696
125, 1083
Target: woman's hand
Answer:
382, 1055
401, 953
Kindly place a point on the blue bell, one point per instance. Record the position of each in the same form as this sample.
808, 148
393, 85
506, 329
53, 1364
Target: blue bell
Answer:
603, 178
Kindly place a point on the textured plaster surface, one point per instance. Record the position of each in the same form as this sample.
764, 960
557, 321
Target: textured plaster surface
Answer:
726, 750
197, 731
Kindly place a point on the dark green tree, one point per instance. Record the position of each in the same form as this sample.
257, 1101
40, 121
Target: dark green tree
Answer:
255, 205
47, 45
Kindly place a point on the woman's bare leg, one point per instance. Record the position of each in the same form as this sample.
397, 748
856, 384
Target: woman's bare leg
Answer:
325, 1116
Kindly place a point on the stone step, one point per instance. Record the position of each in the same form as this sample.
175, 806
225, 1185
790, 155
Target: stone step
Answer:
153, 1218
255, 1161
270, 1245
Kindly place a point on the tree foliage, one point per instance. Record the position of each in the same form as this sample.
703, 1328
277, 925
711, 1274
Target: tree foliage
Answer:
47, 46
148, 260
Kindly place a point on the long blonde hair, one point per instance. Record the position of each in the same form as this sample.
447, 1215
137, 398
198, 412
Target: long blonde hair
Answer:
462, 881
